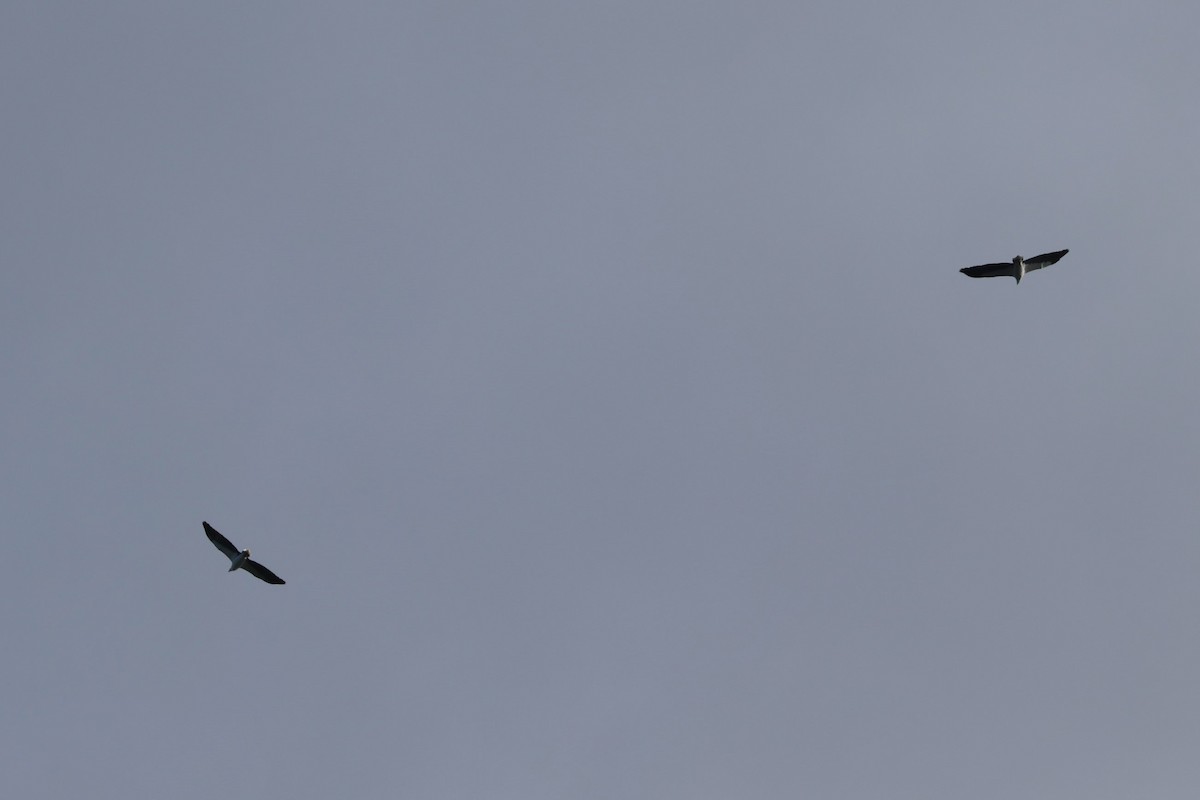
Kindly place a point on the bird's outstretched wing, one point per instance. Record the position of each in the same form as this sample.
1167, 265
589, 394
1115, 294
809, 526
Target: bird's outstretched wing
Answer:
262, 573
223, 544
1005, 269
1044, 260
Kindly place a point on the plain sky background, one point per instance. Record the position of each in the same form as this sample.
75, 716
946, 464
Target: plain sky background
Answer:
601, 380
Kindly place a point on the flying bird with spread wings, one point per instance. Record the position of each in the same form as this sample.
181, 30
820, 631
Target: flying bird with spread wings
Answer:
240, 558
1016, 269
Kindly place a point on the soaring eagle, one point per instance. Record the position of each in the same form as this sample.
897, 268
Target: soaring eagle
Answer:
1016, 269
240, 558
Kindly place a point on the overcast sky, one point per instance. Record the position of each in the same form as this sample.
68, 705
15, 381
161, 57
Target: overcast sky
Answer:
601, 380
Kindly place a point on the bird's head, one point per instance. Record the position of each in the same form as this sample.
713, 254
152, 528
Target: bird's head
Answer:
1017, 259
246, 552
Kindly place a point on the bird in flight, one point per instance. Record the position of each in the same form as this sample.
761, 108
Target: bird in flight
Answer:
240, 558
1016, 269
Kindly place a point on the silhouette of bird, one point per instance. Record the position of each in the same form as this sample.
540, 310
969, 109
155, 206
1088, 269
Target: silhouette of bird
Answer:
1016, 269
240, 558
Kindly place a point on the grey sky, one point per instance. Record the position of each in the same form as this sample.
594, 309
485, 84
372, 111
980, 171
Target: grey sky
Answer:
601, 380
